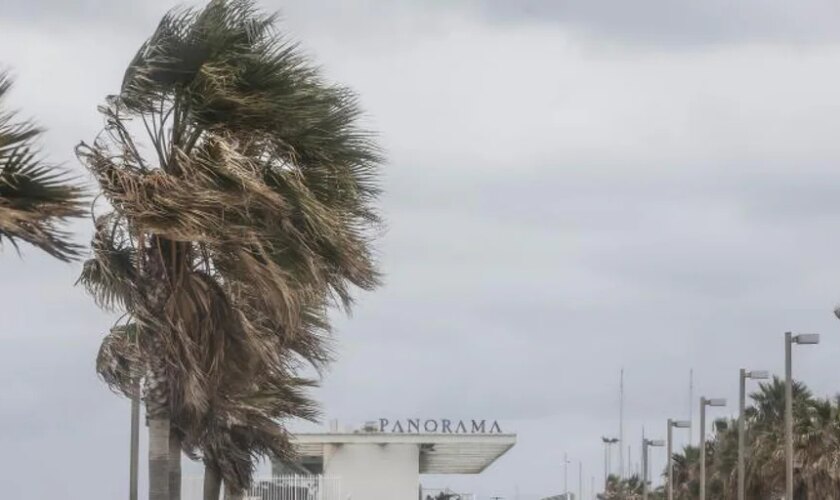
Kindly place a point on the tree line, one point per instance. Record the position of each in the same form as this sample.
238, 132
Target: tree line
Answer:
816, 426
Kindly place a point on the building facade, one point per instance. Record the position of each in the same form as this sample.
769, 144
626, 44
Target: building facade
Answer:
376, 463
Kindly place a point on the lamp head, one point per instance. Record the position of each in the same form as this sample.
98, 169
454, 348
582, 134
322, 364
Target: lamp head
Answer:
758, 375
715, 402
807, 338
681, 424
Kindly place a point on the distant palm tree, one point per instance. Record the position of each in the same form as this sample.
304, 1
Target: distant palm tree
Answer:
766, 467
226, 246
816, 450
627, 489
36, 199
686, 473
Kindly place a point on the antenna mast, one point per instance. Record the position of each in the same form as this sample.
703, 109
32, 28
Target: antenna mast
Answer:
690, 406
621, 426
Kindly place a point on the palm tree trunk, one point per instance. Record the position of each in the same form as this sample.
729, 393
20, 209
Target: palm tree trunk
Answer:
174, 465
159, 458
212, 483
232, 494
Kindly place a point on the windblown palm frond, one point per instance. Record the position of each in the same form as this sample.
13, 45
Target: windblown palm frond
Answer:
229, 245
120, 361
36, 199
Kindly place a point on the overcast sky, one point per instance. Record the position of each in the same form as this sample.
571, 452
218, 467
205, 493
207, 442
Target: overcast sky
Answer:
573, 187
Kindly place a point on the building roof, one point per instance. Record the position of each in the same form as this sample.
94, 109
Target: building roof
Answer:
439, 453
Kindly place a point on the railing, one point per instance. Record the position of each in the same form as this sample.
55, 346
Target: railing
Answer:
445, 494
276, 488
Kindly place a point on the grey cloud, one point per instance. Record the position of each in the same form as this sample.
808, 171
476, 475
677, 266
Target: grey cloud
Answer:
664, 23
539, 239
681, 22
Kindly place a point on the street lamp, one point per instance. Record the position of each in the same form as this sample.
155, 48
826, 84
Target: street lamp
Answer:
646, 443
608, 442
790, 339
679, 424
754, 375
703, 404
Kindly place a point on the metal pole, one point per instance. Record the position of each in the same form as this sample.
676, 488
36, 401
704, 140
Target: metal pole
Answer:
606, 464
741, 405
670, 468
580, 480
134, 442
788, 419
621, 428
690, 406
702, 448
565, 474
644, 470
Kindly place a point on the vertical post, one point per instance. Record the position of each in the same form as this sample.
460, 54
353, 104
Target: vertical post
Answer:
670, 466
580, 480
566, 474
644, 470
606, 464
742, 402
621, 429
702, 448
690, 405
788, 419
134, 446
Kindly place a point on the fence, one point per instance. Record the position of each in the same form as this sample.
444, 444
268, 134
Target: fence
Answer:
447, 494
276, 488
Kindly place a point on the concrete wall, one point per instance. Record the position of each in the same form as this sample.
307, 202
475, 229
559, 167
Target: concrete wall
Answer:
373, 471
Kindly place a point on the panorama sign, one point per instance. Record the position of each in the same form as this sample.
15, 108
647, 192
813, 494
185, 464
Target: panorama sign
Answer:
439, 426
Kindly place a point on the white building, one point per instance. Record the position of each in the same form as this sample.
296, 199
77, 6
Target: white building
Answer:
385, 461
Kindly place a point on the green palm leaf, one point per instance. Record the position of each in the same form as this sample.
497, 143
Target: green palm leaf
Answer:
36, 199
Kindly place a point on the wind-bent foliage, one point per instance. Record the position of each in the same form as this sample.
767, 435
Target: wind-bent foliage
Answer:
816, 453
816, 449
628, 489
36, 199
226, 246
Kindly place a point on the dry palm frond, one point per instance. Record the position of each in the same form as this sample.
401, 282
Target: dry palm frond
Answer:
36, 199
228, 247
120, 361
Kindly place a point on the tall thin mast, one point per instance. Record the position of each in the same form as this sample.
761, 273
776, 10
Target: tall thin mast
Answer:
690, 406
621, 426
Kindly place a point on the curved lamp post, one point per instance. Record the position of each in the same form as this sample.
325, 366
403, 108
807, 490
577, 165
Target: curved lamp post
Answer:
754, 375
790, 339
703, 404
679, 424
647, 443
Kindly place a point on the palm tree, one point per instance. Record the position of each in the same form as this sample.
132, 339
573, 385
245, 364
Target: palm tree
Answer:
627, 489
226, 247
765, 469
36, 199
687, 473
816, 449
